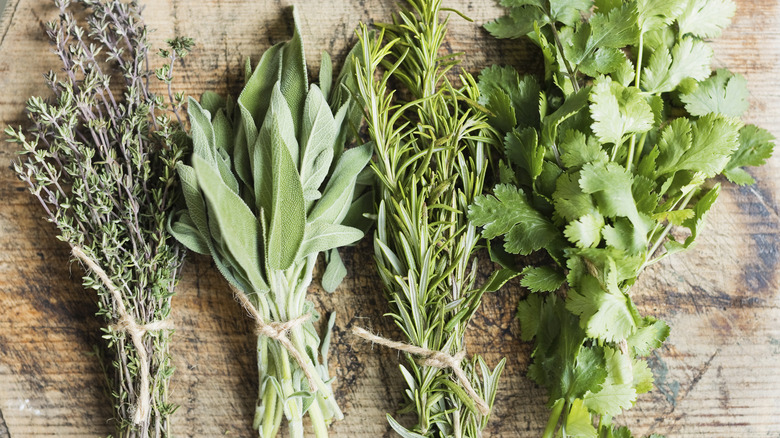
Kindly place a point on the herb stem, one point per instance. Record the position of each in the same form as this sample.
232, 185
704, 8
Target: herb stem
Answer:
630, 157
569, 70
555, 416
668, 227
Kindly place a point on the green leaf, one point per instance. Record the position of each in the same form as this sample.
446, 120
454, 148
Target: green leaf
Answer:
326, 73
706, 18
579, 424
509, 97
255, 97
604, 315
611, 185
723, 93
498, 279
589, 373
212, 102
542, 279
571, 106
523, 150
617, 111
518, 23
570, 201
755, 147
690, 58
529, 312
295, 81
569, 12
335, 271
238, 227
322, 236
617, 392
400, 430
616, 29
586, 231
576, 151
286, 217
643, 377
655, 14
202, 132
337, 195
317, 140
676, 138
648, 337
715, 138
508, 212
700, 210
185, 231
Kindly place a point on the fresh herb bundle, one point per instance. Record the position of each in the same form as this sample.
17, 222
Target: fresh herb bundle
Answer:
269, 188
431, 160
609, 167
101, 163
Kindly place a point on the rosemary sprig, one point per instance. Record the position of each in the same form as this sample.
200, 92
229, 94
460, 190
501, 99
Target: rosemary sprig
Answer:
431, 160
101, 165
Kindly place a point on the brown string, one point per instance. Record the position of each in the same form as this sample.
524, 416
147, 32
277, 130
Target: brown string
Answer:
431, 358
278, 332
127, 324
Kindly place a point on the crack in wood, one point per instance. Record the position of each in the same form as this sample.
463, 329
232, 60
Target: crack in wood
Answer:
4, 432
10, 20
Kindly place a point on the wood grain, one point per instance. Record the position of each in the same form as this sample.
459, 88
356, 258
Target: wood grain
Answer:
717, 376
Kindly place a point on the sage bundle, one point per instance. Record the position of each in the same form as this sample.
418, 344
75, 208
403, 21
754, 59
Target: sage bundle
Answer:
431, 161
100, 158
269, 188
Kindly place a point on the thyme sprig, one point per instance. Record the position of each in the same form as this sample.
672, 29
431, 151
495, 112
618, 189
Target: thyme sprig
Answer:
101, 164
431, 161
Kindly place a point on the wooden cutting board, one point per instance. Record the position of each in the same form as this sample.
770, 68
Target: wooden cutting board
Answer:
718, 375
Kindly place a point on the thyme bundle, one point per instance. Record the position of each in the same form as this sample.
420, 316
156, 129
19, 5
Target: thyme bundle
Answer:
101, 164
269, 188
431, 161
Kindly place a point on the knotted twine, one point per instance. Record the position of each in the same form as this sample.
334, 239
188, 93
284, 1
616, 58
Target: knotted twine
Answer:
127, 324
278, 332
431, 358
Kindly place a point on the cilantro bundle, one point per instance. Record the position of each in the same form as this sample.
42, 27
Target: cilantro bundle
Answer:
431, 161
100, 158
609, 166
269, 188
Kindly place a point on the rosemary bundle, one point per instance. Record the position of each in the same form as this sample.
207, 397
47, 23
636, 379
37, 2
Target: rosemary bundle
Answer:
269, 188
431, 161
101, 163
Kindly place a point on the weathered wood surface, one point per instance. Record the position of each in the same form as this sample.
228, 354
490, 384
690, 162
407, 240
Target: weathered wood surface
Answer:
717, 376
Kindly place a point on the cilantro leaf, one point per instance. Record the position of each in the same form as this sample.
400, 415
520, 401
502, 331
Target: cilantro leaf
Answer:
518, 23
617, 392
617, 111
578, 422
715, 138
542, 279
706, 18
723, 93
755, 146
689, 58
654, 14
648, 337
508, 212
586, 231
604, 315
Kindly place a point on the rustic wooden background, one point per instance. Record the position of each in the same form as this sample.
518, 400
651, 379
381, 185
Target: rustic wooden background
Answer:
717, 376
